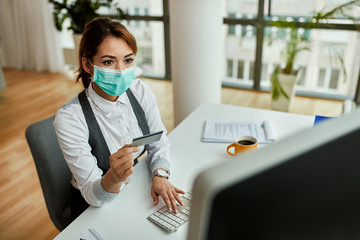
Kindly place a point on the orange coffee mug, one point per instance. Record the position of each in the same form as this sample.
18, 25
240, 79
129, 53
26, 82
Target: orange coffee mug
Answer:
241, 144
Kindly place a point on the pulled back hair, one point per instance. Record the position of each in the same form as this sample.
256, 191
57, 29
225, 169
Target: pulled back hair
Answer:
94, 34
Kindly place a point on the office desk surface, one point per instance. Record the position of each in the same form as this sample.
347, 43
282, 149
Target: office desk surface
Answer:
126, 216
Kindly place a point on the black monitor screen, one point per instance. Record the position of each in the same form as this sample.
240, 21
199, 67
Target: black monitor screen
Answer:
314, 195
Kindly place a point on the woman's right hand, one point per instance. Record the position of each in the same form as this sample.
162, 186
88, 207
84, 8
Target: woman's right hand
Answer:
121, 167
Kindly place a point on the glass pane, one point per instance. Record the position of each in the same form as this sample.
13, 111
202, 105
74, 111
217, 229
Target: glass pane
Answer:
303, 7
240, 50
264, 72
138, 7
323, 71
231, 30
229, 68
150, 41
241, 8
334, 78
301, 76
252, 70
321, 79
240, 70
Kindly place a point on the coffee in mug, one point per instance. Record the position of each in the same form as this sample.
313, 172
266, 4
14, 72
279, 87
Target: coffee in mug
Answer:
241, 144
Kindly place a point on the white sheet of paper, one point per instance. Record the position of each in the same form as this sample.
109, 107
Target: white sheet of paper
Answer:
227, 131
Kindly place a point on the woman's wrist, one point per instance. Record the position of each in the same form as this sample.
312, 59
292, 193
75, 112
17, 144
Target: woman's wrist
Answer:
161, 172
111, 183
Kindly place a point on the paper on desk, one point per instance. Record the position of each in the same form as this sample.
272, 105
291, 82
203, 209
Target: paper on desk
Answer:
227, 131
89, 234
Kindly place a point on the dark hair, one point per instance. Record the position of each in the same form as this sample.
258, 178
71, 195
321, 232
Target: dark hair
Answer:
94, 34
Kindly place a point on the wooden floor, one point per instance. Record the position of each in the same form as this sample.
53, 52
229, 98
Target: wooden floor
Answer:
30, 97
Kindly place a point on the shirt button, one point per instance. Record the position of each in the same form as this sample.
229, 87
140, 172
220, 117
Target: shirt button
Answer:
127, 140
120, 120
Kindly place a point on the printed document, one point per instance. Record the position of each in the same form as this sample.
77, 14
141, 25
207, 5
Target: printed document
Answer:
227, 131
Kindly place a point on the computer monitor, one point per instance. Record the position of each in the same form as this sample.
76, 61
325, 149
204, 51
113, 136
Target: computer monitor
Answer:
306, 186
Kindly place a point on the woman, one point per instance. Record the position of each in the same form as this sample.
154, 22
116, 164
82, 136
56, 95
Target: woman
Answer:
95, 128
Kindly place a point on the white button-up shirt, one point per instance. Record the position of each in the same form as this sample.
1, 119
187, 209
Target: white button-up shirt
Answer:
119, 126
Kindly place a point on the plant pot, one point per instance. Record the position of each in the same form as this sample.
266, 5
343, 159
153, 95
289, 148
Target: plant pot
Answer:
288, 82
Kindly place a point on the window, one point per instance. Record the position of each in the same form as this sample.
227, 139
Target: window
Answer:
229, 67
334, 78
145, 23
321, 79
245, 8
264, 73
252, 70
150, 41
240, 70
319, 69
231, 28
301, 76
141, 7
293, 7
243, 31
302, 8
241, 25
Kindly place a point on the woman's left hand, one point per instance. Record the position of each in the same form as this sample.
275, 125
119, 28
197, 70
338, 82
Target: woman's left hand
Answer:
170, 194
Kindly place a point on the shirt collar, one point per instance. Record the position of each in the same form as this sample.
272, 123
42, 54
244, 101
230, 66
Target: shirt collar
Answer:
103, 104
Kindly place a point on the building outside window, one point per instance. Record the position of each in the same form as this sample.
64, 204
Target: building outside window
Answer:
320, 72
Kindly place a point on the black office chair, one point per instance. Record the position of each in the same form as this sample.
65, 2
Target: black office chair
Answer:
53, 172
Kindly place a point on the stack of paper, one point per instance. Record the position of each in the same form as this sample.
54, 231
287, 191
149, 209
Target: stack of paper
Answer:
226, 131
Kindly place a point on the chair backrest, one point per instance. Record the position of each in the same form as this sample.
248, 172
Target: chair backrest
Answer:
53, 172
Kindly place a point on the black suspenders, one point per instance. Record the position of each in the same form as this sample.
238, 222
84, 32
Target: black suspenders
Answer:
140, 116
99, 147
97, 142
139, 112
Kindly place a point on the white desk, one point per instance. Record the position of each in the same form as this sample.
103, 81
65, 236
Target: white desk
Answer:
126, 217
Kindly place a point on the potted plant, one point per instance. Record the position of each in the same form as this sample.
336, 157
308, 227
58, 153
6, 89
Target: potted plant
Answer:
283, 79
79, 12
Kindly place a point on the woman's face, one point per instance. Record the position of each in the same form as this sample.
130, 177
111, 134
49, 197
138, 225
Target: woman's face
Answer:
114, 53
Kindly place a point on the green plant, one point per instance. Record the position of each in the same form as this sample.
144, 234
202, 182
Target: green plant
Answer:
297, 43
79, 12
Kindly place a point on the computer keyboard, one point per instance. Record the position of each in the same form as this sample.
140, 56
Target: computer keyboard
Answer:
169, 220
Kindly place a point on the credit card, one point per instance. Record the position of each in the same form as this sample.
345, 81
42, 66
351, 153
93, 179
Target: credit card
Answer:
146, 139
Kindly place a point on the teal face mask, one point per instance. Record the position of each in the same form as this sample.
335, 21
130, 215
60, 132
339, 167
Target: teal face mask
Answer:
113, 82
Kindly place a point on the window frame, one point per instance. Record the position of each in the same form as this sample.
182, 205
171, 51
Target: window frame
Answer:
260, 22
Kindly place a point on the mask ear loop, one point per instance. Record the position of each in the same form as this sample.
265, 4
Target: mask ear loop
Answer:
93, 68
90, 62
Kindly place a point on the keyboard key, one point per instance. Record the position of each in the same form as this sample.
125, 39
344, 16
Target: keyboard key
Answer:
155, 218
